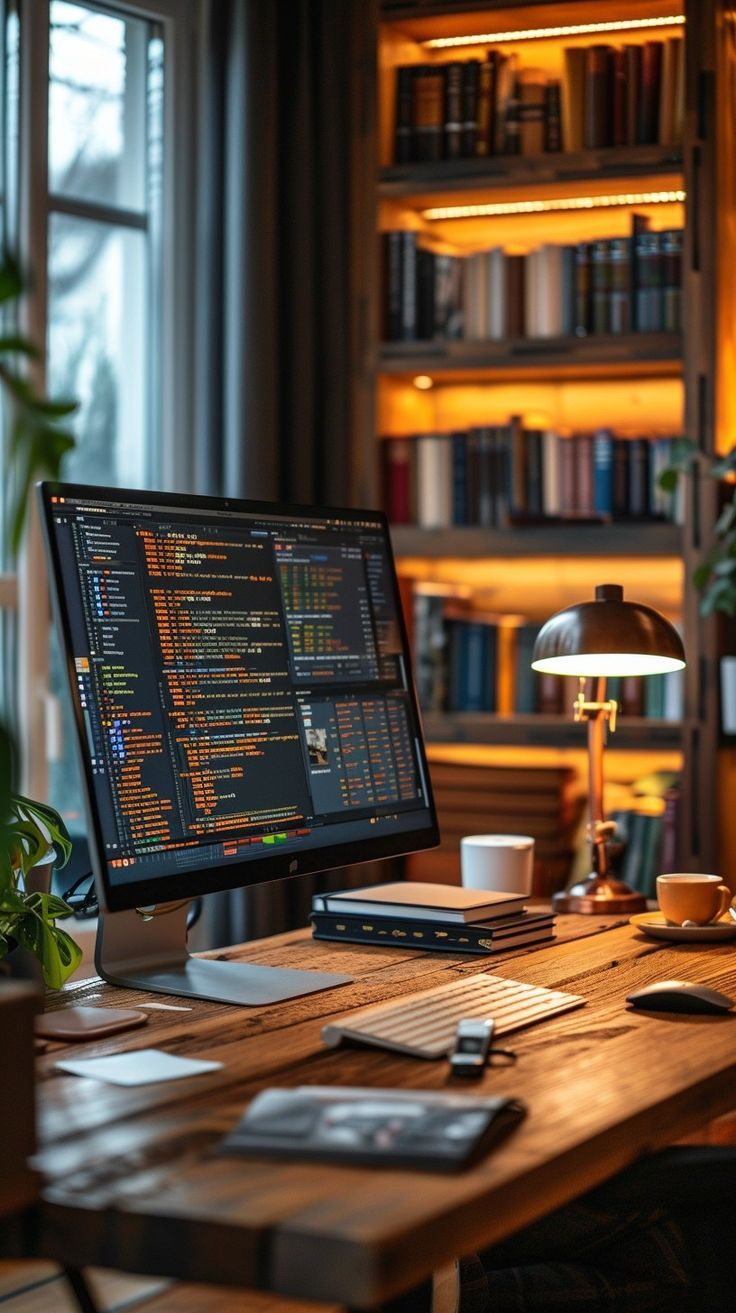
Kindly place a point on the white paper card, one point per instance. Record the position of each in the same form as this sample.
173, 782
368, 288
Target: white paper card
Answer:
142, 1067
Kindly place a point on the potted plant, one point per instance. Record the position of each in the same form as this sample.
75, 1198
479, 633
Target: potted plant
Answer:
37, 442
36, 839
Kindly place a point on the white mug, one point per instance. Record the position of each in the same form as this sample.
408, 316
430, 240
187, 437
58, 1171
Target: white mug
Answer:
502, 862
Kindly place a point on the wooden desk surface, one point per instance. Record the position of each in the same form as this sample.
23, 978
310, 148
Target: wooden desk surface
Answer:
133, 1183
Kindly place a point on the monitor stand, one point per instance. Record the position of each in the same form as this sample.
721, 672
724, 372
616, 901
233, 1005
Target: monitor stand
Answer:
152, 955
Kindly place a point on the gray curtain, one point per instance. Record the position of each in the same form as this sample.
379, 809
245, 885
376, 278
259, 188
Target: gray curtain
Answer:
278, 86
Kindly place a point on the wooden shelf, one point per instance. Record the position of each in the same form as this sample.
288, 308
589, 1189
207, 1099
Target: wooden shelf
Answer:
603, 355
645, 539
503, 171
544, 731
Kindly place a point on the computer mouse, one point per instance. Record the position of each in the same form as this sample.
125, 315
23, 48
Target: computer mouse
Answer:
680, 996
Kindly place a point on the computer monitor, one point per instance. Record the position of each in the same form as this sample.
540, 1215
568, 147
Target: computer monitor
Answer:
244, 706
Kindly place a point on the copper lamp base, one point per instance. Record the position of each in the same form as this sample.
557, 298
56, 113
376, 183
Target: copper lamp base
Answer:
599, 896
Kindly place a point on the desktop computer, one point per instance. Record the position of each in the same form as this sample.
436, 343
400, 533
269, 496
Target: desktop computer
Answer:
244, 708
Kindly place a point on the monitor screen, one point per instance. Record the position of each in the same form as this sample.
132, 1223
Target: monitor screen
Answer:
242, 689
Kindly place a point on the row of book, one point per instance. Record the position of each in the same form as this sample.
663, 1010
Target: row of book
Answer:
494, 476
613, 285
471, 662
608, 96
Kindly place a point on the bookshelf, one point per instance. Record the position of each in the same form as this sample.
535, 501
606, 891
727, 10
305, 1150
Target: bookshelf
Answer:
661, 382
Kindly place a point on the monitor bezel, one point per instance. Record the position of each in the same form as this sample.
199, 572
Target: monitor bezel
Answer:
195, 883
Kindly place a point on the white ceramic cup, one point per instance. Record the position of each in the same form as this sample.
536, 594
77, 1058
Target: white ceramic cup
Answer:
502, 862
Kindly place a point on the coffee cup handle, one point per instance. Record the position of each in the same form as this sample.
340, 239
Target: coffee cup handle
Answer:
726, 896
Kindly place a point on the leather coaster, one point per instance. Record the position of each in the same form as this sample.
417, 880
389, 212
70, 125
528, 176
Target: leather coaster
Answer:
80, 1023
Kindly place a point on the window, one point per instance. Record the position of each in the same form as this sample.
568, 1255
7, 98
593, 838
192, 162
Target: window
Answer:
104, 195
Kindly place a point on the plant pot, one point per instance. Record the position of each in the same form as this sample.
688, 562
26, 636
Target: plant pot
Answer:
19, 964
38, 880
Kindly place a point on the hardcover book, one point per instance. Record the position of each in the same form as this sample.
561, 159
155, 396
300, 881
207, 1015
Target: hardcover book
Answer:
423, 901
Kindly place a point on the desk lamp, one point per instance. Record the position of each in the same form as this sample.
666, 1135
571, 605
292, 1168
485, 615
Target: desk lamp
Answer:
594, 640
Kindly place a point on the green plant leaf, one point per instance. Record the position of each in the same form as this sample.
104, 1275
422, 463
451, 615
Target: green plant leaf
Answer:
19, 345
50, 822
50, 906
669, 479
725, 567
726, 520
11, 278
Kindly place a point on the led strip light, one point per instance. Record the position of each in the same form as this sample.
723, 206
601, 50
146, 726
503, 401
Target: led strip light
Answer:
547, 33
497, 208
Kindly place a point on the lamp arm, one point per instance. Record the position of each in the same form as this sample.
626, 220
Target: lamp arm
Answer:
599, 830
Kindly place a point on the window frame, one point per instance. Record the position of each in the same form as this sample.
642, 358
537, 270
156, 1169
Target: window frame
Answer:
37, 712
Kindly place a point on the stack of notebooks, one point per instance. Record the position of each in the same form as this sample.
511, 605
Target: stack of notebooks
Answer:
430, 916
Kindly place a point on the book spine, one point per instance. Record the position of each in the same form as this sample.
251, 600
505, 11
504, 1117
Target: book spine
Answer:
600, 282
453, 125
618, 96
621, 478
573, 99
597, 117
447, 296
459, 478
515, 268
633, 92
603, 472
582, 317
651, 72
397, 468
671, 257
584, 493
469, 92
444, 938
425, 294
534, 490
517, 448
531, 112
486, 516
408, 286
639, 477
403, 132
484, 113
619, 254
428, 105
552, 116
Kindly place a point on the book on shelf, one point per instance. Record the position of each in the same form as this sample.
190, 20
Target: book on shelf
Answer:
605, 96
421, 901
498, 936
610, 286
471, 662
495, 476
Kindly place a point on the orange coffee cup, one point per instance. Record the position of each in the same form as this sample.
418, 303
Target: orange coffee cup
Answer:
692, 897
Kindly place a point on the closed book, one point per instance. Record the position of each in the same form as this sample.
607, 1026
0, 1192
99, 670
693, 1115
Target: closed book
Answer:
667, 91
532, 86
525, 695
430, 651
534, 479
397, 455
408, 286
633, 92
654, 697
502, 476
502, 935
598, 118
505, 92
648, 271
513, 125
403, 134
660, 459
651, 75
621, 478
515, 269
391, 243
418, 900
618, 98
639, 503
552, 505
582, 322
428, 112
573, 99
469, 91
567, 475
679, 115
584, 485
497, 312
671, 277
480, 675
550, 293
457, 665
453, 125
567, 290
531, 294
553, 116
600, 283
483, 439
434, 481
619, 309
641, 860
485, 108
632, 695
425, 294
460, 503
603, 472
518, 474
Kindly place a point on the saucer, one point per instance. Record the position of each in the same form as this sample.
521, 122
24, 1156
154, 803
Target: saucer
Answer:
655, 924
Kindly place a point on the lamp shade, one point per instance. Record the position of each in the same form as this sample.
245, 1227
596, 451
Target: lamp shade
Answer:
608, 637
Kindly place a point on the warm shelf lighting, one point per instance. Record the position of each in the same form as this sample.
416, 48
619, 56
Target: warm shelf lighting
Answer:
548, 33
423, 382
497, 208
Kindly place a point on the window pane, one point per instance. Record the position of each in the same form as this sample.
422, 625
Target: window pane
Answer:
97, 346
97, 106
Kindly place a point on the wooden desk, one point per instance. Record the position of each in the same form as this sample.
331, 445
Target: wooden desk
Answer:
132, 1181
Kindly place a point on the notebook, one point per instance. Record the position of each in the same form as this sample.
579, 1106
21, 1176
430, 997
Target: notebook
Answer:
414, 899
